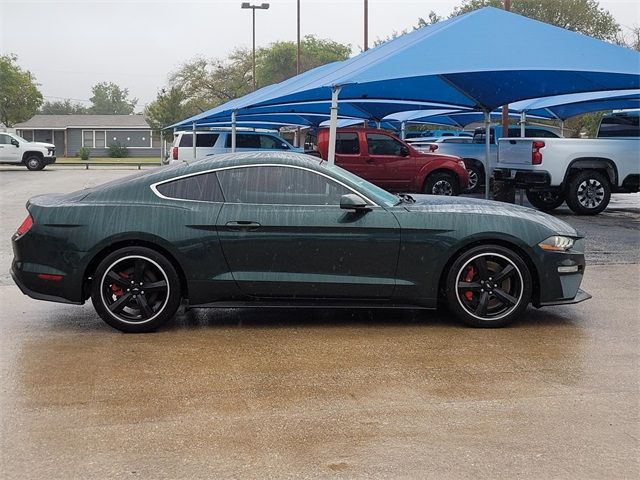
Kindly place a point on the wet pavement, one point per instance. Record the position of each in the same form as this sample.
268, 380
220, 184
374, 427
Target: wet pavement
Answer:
339, 394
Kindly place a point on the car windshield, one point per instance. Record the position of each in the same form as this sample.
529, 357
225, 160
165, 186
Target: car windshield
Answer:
377, 194
19, 138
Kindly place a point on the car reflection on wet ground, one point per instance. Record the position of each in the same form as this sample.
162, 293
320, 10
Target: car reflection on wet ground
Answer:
354, 393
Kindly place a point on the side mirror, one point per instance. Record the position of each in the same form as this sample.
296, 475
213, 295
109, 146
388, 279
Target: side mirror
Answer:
15, 142
352, 201
404, 151
285, 146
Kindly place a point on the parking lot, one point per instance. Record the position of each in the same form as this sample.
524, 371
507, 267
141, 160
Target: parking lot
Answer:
324, 393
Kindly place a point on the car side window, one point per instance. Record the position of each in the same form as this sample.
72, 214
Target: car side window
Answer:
347, 144
279, 185
267, 142
186, 141
244, 140
5, 139
203, 187
383, 145
206, 139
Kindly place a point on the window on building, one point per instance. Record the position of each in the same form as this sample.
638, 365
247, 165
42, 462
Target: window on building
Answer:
99, 139
87, 138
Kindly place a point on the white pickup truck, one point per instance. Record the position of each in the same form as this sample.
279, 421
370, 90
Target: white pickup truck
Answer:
584, 172
473, 154
15, 150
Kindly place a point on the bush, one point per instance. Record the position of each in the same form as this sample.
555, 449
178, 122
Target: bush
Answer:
83, 153
118, 151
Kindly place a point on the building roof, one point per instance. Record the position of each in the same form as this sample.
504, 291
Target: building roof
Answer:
84, 121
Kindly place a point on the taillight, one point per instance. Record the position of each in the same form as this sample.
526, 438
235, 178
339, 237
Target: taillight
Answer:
174, 153
536, 155
24, 226
433, 148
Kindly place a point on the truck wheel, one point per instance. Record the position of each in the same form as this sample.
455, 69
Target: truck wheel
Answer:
476, 177
441, 183
588, 193
545, 200
34, 162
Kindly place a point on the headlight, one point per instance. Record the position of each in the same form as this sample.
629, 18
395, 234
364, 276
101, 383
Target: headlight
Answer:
557, 243
461, 163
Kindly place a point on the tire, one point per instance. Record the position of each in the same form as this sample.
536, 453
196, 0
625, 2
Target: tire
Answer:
472, 294
119, 284
545, 200
588, 192
34, 163
476, 177
442, 183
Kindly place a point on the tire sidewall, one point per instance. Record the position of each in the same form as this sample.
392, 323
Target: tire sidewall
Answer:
537, 202
479, 176
444, 176
451, 290
572, 192
170, 307
39, 166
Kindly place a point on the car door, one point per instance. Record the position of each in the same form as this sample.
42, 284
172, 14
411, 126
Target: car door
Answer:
390, 165
351, 156
284, 234
8, 151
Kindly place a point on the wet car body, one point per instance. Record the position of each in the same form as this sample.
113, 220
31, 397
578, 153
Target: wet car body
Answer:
228, 252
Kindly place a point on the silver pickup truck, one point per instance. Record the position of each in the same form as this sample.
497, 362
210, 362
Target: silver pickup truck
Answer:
582, 172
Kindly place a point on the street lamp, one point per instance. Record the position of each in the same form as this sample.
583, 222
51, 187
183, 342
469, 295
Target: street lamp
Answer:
262, 6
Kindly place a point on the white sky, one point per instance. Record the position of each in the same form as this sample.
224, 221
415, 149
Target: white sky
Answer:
69, 45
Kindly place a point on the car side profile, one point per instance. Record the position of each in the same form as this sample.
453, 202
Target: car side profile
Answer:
261, 229
15, 150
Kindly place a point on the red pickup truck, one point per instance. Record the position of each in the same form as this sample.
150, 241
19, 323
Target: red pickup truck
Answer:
386, 161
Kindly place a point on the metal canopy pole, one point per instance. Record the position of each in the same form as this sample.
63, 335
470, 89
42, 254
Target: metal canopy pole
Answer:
562, 128
233, 131
333, 125
487, 153
523, 123
193, 131
402, 129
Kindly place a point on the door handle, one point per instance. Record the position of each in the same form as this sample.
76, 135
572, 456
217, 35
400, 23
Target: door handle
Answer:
242, 225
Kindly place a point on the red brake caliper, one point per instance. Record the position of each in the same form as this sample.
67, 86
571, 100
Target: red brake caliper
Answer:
471, 272
116, 289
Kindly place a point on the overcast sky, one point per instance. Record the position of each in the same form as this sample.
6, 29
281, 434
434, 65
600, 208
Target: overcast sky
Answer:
71, 45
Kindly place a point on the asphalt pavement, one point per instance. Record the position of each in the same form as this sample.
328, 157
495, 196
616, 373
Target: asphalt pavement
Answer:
250, 393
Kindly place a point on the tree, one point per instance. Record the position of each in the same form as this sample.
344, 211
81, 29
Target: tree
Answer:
19, 94
109, 99
62, 107
278, 61
584, 16
169, 107
432, 18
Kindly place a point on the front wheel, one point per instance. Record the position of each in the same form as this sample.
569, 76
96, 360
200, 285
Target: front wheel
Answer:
34, 162
588, 193
135, 290
546, 200
476, 177
441, 183
488, 286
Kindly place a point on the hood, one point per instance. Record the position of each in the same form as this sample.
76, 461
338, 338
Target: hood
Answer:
42, 144
475, 206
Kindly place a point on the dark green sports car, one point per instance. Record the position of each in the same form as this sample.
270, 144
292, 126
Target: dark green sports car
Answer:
261, 229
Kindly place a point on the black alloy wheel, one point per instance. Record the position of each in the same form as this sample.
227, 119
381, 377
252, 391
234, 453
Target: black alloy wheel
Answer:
489, 286
135, 289
545, 200
441, 183
588, 193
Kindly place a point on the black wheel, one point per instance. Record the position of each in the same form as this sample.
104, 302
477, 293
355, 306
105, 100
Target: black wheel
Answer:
476, 177
135, 290
545, 200
488, 286
34, 162
588, 193
441, 183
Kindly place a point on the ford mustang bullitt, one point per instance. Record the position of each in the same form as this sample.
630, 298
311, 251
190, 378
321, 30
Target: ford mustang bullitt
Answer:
265, 229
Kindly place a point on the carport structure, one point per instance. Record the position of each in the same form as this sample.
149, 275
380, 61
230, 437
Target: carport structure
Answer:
390, 79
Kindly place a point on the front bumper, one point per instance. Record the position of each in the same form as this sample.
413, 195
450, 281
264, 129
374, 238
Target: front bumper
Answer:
581, 296
49, 160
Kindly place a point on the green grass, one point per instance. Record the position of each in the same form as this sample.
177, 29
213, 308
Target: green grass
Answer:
98, 160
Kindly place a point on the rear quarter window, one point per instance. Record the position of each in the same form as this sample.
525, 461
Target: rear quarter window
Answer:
203, 188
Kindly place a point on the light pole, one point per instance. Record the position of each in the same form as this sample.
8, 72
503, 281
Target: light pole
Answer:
298, 51
262, 6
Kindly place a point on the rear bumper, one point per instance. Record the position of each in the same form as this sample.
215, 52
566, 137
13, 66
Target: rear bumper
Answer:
47, 294
523, 178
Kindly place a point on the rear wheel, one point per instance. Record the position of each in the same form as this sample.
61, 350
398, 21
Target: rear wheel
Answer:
441, 183
476, 177
545, 200
135, 289
34, 162
588, 193
488, 286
